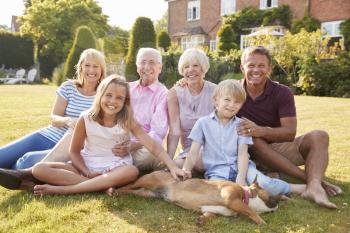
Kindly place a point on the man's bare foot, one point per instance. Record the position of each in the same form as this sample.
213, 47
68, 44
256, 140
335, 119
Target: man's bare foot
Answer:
316, 193
331, 189
46, 189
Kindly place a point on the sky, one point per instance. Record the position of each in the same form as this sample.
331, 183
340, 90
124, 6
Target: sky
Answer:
121, 13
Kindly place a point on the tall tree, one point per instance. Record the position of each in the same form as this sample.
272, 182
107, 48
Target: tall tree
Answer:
163, 40
52, 23
84, 39
142, 35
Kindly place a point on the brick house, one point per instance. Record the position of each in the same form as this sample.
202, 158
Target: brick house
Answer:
196, 22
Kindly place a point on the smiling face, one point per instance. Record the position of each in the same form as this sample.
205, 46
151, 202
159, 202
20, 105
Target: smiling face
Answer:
148, 67
256, 70
227, 106
113, 99
91, 71
193, 72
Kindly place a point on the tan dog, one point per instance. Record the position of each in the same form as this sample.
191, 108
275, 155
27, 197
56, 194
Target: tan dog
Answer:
208, 197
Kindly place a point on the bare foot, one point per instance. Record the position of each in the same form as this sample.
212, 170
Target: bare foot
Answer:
110, 191
46, 189
316, 193
331, 189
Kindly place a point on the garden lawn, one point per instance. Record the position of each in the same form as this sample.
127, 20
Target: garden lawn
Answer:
27, 107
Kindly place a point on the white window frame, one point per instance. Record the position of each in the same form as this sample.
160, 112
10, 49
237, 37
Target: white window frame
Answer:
263, 4
213, 44
192, 41
193, 10
227, 7
332, 28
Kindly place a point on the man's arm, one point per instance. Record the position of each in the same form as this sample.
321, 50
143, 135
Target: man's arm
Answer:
286, 132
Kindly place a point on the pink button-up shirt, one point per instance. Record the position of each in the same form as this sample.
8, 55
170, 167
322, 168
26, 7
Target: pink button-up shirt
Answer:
150, 108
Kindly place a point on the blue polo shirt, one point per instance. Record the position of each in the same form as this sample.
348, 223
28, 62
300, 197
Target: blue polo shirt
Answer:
220, 144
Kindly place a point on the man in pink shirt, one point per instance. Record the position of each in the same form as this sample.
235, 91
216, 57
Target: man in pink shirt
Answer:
148, 100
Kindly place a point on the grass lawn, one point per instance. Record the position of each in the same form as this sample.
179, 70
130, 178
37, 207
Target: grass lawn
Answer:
26, 108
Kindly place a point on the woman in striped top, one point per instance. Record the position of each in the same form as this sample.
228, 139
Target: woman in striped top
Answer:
73, 97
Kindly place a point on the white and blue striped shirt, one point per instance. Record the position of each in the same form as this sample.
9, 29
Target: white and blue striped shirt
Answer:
77, 103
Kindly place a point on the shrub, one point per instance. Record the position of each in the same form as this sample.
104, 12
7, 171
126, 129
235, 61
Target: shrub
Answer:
58, 75
16, 51
345, 31
226, 37
142, 35
308, 23
84, 39
163, 40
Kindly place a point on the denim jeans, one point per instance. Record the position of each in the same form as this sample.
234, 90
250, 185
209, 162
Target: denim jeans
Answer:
25, 152
271, 185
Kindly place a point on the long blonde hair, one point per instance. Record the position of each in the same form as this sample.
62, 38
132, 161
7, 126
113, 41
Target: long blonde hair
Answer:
94, 55
125, 116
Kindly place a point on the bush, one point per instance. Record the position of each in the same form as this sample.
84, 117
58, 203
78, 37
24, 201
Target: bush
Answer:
142, 35
163, 40
226, 37
308, 23
345, 31
84, 39
16, 51
58, 75
327, 78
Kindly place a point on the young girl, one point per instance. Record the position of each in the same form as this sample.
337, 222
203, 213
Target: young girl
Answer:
225, 153
95, 167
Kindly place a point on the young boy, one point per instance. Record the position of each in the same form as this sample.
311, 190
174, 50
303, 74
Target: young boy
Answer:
225, 153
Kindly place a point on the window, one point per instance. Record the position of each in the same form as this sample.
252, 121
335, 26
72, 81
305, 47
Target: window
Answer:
191, 41
213, 45
193, 10
228, 7
331, 28
266, 4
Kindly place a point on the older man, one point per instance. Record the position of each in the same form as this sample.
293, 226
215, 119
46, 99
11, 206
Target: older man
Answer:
148, 100
272, 122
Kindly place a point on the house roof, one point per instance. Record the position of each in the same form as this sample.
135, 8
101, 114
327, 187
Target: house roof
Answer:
191, 31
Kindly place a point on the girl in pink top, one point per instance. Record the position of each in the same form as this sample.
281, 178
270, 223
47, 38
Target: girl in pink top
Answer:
95, 167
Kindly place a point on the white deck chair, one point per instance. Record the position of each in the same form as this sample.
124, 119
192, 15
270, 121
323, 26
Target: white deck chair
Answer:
18, 77
31, 75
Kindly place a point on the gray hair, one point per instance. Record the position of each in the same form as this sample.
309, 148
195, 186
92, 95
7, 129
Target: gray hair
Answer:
143, 51
194, 54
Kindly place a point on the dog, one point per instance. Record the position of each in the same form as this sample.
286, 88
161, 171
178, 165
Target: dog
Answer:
209, 197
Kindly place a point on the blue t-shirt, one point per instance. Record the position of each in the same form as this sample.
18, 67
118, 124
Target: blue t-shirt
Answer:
220, 144
77, 103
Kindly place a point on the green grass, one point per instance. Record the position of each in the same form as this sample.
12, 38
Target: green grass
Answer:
26, 108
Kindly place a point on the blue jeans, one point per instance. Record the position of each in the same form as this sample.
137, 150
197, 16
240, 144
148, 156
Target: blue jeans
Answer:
272, 185
25, 152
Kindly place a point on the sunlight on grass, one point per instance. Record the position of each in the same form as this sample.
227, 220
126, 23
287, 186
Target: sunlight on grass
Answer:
25, 108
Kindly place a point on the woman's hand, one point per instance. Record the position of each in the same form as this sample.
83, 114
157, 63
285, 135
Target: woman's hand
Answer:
177, 172
91, 175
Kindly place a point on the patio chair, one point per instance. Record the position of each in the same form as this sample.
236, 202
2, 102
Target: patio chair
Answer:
18, 77
31, 75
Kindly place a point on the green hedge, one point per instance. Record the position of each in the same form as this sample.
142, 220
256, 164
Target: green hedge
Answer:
16, 51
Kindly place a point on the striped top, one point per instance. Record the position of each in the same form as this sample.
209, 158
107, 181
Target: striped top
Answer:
77, 103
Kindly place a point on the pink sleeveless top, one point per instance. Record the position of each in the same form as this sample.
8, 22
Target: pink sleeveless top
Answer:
192, 108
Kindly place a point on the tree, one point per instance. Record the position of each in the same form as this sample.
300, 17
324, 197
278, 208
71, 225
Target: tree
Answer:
308, 23
52, 23
84, 39
163, 40
162, 23
116, 42
142, 35
226, 38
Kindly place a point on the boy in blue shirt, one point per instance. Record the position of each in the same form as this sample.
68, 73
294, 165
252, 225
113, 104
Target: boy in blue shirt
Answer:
225, 153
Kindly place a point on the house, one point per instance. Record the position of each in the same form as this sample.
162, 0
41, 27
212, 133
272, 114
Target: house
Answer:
196, 22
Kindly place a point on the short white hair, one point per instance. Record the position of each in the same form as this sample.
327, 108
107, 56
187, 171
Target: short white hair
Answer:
194, 54
154, 52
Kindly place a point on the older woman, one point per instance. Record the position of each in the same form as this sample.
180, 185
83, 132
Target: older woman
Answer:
188, 103
73, 97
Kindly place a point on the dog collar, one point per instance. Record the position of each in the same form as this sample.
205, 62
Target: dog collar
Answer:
246, 196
